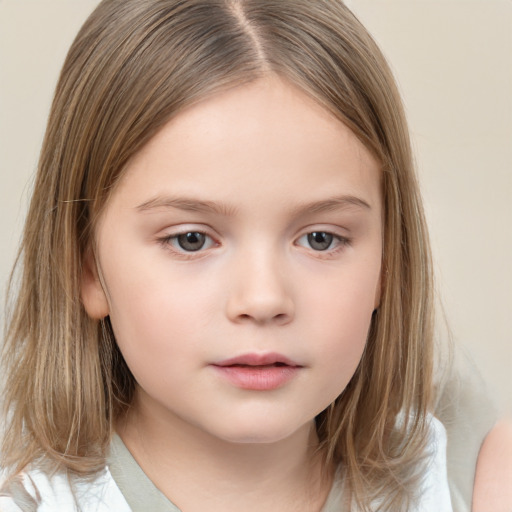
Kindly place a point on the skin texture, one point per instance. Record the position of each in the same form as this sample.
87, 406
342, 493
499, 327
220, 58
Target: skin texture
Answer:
256, 169
493, 480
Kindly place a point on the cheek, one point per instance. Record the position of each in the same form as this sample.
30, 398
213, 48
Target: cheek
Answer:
344, 332
157, 337
343, 314
157, 314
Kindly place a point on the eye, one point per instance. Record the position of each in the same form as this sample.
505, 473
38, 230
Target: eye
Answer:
321, 240
191, 241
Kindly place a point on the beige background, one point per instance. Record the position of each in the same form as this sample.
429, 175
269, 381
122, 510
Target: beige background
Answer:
453, 61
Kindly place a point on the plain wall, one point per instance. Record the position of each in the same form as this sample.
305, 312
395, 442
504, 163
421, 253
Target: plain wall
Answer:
453, 62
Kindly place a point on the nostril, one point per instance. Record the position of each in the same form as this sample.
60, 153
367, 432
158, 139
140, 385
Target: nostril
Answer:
280, 318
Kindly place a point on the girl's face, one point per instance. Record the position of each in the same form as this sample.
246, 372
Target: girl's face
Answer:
240, 258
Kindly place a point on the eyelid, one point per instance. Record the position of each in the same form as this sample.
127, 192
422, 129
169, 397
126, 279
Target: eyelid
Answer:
173, 233
343, 241
340, 238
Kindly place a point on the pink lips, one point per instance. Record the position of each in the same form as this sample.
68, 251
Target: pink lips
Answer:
259, 372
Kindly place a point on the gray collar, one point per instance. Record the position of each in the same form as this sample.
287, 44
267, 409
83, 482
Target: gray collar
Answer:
142, 495
138, 490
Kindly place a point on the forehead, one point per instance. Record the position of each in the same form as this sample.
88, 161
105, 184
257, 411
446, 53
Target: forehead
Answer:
268, 135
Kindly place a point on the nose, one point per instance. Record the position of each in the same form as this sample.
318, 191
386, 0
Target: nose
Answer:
259, 291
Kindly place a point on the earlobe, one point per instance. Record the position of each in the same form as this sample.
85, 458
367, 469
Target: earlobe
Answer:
91, 290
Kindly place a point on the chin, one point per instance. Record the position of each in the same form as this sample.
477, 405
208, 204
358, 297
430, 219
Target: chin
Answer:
260, 432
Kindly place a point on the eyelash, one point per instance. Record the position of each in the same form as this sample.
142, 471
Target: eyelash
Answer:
340, 243
168, 242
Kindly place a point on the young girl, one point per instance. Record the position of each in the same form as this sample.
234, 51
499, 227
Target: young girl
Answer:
226, 294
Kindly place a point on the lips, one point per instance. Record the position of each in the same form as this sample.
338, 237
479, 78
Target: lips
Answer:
258, 360
258, 372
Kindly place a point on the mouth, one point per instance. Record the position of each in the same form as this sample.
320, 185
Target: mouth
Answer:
258, 372
258, 360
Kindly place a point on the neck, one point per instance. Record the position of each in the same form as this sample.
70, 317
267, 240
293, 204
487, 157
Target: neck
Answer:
197, 471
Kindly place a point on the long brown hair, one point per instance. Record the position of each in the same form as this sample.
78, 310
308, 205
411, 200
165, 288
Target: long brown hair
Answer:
133, 66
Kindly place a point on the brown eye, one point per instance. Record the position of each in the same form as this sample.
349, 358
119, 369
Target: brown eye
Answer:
192, 241
320, 240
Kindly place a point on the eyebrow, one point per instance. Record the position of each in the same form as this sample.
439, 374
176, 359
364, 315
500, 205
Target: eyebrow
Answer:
332, 204
219, 208
187, 204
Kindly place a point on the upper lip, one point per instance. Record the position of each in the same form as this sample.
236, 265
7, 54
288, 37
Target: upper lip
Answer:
253, 359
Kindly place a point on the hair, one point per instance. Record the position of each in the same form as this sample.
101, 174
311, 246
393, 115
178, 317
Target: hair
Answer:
132, 67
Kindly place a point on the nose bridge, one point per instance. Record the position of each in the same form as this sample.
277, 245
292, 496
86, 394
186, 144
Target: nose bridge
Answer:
259, 286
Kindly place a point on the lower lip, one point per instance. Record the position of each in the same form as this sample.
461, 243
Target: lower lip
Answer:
258, 378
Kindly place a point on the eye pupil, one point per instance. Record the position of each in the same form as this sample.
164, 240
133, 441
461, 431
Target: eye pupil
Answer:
320, 240
192, 241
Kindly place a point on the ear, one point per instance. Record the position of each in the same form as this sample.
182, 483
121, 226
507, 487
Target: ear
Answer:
91, 291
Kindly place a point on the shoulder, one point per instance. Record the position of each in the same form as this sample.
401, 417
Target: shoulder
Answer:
430, 491
34, 490
434, 491
493, 481
436, 447
466, 409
